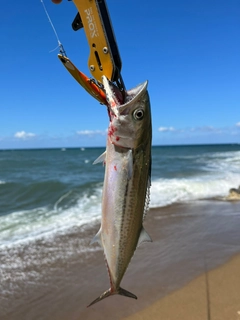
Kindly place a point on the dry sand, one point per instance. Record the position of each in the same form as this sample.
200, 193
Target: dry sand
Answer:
214, 295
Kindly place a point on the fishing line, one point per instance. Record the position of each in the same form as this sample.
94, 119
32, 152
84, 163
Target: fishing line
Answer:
62, 51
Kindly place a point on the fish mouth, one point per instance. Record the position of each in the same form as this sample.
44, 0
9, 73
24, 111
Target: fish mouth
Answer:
119, 101
114, 95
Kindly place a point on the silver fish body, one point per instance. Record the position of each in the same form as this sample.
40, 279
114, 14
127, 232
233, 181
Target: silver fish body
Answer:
126, 183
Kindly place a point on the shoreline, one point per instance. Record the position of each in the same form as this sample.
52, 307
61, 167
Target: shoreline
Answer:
57, 278
186, 238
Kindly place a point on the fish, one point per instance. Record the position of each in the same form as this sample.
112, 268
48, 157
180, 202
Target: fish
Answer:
126, 188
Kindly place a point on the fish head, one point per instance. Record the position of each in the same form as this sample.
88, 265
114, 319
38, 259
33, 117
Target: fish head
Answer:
130, 119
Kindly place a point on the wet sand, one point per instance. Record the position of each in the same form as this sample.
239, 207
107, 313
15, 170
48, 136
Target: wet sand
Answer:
56, 279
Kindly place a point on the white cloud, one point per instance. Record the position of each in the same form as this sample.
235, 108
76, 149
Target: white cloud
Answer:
207, 129
24, 135
238, 124
166, 129
193, 130
90, 132
204, 130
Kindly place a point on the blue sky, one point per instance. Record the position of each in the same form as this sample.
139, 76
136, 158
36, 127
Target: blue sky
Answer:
189, 51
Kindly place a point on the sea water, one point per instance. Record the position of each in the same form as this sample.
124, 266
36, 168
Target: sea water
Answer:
49, 191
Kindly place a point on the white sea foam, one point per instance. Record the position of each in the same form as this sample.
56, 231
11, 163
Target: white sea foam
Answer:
41, 222
2, 182
220, 172
168, 191
228, 162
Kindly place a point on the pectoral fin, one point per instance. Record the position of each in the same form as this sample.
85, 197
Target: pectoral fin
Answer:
129, 164
101, 158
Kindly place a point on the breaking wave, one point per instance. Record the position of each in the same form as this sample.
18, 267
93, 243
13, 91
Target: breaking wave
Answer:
40, 203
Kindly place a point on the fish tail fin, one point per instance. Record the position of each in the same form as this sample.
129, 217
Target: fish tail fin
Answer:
110, 292
126, 293
104, 295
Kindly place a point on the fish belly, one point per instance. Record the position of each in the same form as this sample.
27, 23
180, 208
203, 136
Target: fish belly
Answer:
124, 194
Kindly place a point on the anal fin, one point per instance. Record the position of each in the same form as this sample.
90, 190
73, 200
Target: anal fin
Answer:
97, 238
144, 237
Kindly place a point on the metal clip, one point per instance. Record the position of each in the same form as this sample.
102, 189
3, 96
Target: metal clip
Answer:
88, 84
104, 56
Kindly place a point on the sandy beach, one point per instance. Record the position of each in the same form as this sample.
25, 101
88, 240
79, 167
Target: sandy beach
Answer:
190, 271
214, 295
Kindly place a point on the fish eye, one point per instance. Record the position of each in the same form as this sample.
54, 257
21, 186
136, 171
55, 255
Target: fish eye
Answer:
138, 114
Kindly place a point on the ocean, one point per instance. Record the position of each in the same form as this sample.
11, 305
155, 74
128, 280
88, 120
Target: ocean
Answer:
47, 191
50, 208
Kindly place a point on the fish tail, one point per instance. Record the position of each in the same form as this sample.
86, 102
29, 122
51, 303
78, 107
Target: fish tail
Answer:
110, 292
104, 295
126, 293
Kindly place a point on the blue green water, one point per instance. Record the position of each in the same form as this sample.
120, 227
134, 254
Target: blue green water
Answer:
51, 190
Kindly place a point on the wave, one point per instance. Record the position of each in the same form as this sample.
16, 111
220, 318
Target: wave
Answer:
69, 211
35, 209
16, 196
228, 162
206, 175
77, 209
168, 191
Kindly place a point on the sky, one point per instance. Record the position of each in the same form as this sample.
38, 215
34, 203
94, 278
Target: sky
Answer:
188, 50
